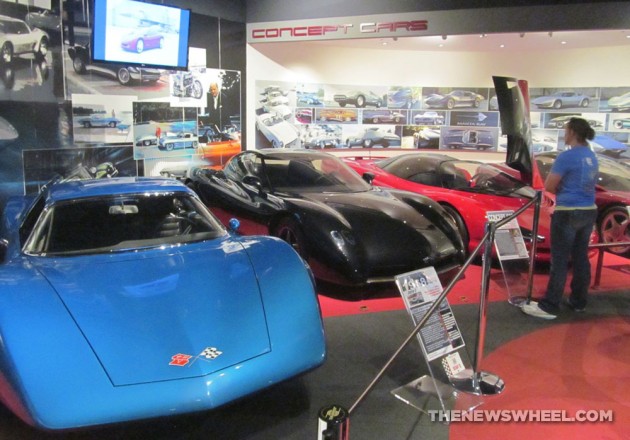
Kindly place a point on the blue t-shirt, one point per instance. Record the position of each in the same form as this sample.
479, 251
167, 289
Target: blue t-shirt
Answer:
578, 168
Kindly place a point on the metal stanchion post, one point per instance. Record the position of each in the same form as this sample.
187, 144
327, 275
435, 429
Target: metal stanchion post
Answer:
482, 382
532, 257
598, 269
333, 423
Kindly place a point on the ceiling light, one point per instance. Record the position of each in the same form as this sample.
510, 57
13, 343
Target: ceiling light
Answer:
502, 46
563, 42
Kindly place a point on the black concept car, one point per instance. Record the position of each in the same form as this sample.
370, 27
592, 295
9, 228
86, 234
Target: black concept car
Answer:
349, 232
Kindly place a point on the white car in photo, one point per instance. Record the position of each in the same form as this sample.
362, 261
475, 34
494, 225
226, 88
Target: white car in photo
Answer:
284, 111
178, 141
18, 38
279, 132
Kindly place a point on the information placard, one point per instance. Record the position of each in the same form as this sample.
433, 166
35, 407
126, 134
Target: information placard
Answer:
508, 239
440, 335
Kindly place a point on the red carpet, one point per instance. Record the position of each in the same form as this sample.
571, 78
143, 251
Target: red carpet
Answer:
577, 366
614, 277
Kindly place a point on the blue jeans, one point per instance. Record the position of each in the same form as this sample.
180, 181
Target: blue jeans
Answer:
570, 233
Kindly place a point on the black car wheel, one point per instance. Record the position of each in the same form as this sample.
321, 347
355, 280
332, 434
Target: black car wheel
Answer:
87, 124
78, 64
450, 104
169, 146
112, 124
367, 143
124, 77
459, 222
146, 142
477, 103
360, 101
289, 230
7, 77
618, 124
614, 226
375, 120
6, 54
43, 48
557, 104
584, 103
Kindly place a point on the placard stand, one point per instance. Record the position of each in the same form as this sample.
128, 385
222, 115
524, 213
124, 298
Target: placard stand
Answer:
512, 255
442, 346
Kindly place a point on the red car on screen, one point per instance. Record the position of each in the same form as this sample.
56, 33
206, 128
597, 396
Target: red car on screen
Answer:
142, 40
466, 189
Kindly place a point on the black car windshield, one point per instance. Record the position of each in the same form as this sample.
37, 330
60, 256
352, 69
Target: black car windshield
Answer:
312, 174
612, 176
492, 180
121, 223
450, 173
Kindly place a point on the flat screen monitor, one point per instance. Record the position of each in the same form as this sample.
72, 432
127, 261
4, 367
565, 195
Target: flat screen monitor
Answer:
139, 33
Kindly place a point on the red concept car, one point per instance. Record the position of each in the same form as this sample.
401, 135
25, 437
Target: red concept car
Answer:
467, 190
612, 199
142, 40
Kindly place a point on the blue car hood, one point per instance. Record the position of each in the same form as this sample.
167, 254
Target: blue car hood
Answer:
164, 314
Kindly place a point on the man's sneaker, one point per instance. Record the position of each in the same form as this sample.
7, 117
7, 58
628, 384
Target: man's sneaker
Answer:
533, 309
567, 302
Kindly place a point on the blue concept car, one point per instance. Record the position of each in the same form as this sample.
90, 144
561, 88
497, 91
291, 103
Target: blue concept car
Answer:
125, 298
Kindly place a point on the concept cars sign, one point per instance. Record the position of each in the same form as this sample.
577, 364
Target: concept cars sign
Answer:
390, 28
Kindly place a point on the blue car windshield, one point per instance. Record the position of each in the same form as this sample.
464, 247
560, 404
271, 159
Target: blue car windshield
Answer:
121, 223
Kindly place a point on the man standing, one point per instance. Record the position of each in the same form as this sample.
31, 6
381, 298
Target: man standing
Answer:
215, 105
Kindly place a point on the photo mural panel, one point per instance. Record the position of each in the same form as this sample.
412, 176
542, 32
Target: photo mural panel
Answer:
303, 115
31, 63
26, 126
58, 109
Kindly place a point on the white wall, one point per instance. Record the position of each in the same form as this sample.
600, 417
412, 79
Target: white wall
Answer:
323, 63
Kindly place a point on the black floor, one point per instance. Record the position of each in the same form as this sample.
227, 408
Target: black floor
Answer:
358, 347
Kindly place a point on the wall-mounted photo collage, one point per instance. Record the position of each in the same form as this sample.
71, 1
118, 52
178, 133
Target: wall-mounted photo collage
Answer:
64, 113
297, 115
